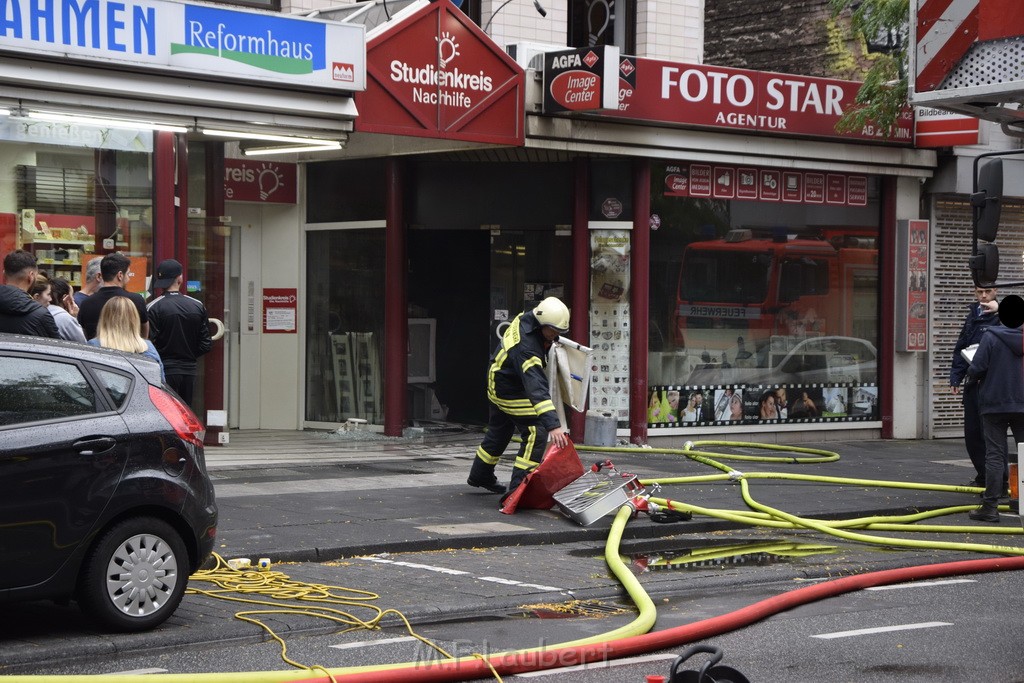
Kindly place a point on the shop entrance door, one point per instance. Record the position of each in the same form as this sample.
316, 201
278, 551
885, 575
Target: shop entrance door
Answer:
469, 282
526, 267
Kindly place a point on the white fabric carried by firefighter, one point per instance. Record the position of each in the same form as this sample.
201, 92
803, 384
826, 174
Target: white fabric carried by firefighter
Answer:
569, 366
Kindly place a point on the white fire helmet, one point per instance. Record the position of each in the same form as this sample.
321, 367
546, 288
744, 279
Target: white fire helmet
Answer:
553, 313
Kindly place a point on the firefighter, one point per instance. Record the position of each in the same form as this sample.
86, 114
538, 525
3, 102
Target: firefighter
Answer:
520, 398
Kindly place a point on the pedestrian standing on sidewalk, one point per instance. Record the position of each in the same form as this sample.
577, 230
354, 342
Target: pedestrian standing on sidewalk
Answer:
979, 318
998, 367
64, 310
19, 312
115, 269
520, 397
93, 281
179, 328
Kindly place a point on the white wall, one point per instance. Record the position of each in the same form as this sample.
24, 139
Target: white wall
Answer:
910, 369
665, 29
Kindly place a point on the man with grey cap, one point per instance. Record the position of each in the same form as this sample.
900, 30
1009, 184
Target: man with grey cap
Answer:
178, 328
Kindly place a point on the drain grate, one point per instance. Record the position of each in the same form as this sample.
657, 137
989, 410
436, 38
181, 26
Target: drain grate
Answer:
572, 609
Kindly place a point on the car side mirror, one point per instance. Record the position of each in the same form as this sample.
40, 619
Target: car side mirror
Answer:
987, 201
984, 264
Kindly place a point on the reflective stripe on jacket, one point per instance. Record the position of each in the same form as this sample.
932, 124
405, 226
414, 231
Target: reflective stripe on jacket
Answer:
516, 380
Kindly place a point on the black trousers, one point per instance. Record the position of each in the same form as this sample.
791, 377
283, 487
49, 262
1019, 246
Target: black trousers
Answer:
997, 458
974, 432
183, 385
500, 427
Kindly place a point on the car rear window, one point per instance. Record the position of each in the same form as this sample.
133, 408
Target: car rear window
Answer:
32, 389
116, 384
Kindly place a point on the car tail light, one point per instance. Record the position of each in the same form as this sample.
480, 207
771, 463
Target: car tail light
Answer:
180, 416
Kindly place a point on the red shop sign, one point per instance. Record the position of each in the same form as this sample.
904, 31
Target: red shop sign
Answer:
435, 74
267, 182
796, 187
280, 309
741, 99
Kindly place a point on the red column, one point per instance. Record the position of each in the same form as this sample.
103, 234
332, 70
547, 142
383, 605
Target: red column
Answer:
216, 258
396, 323
580, 304
887, 303
165, 226
639, 304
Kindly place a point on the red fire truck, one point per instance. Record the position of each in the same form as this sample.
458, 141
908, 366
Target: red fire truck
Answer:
743, 289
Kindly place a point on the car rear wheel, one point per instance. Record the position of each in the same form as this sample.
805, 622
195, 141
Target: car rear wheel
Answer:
135, 575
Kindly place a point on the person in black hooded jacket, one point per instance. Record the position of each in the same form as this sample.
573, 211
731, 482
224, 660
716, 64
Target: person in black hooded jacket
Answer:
19, 313
998, 366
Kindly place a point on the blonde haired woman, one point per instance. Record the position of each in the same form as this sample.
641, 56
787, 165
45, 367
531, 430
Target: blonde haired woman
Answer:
118, 329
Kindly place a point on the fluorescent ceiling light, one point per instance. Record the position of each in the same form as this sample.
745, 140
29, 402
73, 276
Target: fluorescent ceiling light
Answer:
324, 146
104, 121
266, 136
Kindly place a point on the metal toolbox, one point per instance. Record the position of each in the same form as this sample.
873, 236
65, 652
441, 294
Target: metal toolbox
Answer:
597, 494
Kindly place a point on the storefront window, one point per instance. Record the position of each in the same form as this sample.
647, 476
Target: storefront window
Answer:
345, 325
764, 296
70, 193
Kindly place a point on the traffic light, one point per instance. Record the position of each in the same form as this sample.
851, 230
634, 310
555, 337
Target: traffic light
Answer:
986, 202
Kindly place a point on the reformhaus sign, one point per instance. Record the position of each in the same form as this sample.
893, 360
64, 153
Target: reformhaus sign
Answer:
199, 40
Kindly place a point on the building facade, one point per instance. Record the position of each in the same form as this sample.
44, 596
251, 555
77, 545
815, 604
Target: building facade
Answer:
720, 246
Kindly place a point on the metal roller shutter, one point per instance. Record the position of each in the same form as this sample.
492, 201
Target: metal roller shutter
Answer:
952, 292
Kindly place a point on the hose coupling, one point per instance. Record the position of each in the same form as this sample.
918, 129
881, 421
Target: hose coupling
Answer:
735, 475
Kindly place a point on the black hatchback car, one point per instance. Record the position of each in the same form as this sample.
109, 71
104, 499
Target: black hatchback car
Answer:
104, 494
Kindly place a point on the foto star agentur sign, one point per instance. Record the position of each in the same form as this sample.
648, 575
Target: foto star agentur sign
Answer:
741, 99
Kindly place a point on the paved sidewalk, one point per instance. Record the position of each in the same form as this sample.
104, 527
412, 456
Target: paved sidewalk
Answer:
322, 496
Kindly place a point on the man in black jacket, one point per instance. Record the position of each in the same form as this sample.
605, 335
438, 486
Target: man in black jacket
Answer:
979, 318
998, 366
517, 386
19, 313
178, 328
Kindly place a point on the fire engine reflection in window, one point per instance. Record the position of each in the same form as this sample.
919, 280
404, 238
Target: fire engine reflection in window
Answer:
746, 303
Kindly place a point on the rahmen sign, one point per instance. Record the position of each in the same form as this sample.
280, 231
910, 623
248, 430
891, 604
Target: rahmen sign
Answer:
436, 74
194, 40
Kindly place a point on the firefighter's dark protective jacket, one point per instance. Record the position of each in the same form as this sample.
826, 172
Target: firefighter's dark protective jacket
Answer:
517, 381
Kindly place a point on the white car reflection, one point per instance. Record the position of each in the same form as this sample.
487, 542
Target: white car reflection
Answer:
821, 360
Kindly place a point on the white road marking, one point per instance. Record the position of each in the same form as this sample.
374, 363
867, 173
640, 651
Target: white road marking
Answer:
607, 664
307, 486
920, 584
474, 528
459, 572
371, 643
881, 629
138, 672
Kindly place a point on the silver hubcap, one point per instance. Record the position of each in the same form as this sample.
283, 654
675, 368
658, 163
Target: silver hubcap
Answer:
141, 575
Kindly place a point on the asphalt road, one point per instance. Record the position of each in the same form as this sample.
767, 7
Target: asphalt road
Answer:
955, 630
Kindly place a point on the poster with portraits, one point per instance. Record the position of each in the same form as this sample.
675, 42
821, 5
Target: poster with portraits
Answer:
709, 405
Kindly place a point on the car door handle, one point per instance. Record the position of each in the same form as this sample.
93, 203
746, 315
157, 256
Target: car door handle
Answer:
94, 445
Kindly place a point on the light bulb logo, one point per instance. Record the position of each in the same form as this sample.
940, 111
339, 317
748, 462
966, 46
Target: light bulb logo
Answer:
269, 180
600, 13
447, 48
